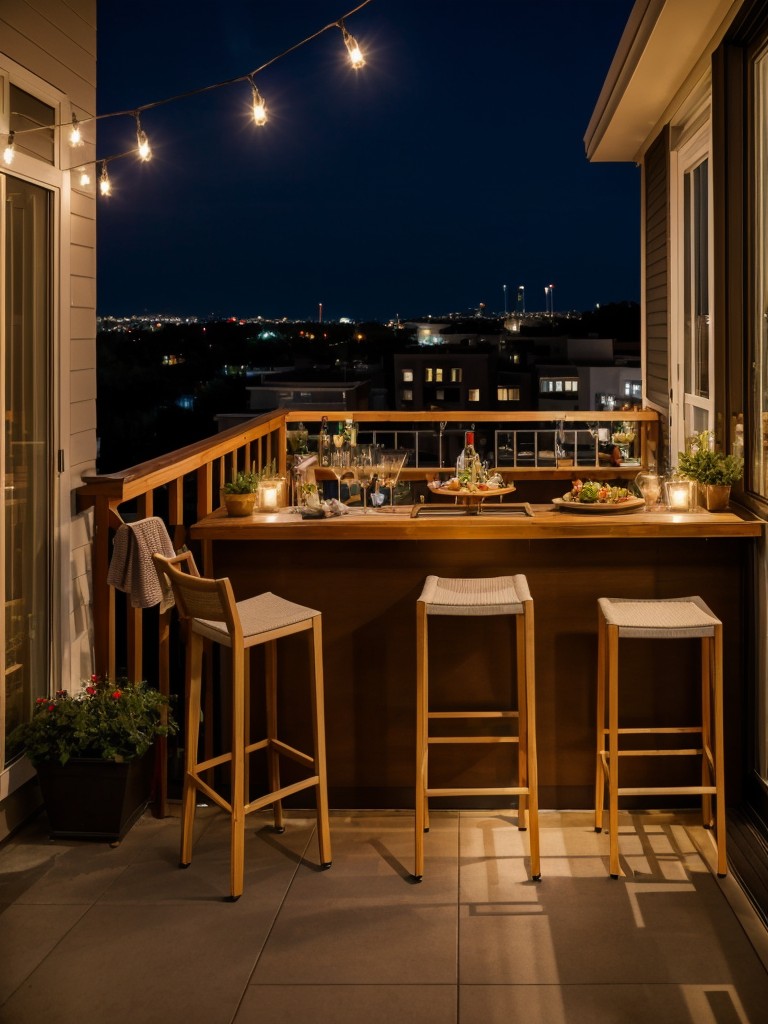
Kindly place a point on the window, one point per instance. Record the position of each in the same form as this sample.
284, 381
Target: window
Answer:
473, 395
456, 375
439, 374
28, 112
633, 389
440, 395
25, 457
428, 374
508, 394
406, 395
760, 311
407, 376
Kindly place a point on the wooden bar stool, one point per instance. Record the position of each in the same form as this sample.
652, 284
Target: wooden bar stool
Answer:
211, 613
501, 595
667, 619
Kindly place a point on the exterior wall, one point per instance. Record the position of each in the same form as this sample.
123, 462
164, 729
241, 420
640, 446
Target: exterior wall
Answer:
48, 48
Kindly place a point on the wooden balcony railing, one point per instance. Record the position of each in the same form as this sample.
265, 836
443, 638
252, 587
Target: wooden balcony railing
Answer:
183, 486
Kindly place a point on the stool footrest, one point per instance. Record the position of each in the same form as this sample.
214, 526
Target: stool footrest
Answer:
293, 753
671, 730
473, 714
680, 752
211, 793
279, 794
473, 739
481, 791
666, 790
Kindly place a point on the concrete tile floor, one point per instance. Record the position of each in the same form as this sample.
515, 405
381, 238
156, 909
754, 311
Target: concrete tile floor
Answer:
95, 934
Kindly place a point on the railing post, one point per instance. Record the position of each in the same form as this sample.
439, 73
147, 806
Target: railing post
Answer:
103, 594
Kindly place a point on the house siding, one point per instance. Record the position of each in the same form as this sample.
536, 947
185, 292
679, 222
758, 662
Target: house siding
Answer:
657, 269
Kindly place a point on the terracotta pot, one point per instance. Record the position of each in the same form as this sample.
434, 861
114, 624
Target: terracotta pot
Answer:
716, 496
240, 504
88, 798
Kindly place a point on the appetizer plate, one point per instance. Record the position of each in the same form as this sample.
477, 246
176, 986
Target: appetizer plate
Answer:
630, 505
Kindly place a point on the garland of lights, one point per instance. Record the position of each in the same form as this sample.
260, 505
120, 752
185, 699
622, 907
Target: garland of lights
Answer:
143, 150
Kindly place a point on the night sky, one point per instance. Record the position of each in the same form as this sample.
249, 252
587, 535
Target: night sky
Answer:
450, 165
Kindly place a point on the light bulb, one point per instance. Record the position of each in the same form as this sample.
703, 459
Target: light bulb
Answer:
355, 53
259, 107
144, 151
85, 178
105, 185
75, 135
9, 151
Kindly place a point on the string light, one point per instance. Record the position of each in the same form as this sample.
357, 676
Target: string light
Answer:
75, 135
145, 153
105, 185
259, 106
355, 53
8, 152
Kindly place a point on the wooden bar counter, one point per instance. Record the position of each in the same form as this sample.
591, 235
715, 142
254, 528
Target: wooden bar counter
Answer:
365, 572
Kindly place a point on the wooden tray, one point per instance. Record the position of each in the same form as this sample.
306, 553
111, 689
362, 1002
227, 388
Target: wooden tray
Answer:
470, 497
592, 508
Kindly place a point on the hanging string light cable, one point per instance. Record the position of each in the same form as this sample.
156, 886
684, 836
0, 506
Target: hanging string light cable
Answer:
259, 110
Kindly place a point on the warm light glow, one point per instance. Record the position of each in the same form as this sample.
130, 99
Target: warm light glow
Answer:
259, 107
85, 178
75, 135
144, 151
105, 185
8, 152
355, 53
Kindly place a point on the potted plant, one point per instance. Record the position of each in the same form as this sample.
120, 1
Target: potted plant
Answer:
92, 751
713, 471
239, 493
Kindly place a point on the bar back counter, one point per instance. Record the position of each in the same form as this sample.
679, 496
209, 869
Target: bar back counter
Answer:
365, 572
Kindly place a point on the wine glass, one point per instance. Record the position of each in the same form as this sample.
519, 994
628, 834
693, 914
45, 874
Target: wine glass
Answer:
364, 470
338, 441
339, 466
391, 463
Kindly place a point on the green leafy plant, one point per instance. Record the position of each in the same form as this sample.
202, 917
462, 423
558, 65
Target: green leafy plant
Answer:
247, 481
700, 462
114, 720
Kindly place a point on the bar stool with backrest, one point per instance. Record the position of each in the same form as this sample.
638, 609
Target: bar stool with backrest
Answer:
211, 613
502, 596
667, 619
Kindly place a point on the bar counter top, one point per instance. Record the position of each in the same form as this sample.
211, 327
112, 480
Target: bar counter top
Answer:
547, 522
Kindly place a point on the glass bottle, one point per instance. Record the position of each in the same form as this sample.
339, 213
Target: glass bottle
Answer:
324, 444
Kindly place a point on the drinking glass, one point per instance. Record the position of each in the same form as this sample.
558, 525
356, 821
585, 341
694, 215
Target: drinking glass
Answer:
363, 460
339, 466
389, 467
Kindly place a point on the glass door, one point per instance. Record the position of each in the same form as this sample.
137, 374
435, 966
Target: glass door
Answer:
25, 456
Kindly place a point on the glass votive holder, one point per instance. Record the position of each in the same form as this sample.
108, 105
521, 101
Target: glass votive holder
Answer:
649, 485
271, 494
679, 494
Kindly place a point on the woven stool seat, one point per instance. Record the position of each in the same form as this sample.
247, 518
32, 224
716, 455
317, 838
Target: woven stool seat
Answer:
662, 619
499, 596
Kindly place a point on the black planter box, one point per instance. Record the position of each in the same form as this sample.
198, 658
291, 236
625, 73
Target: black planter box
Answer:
88, 798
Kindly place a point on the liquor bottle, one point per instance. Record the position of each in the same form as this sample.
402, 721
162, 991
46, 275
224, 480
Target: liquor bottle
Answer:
468, 461
324, 444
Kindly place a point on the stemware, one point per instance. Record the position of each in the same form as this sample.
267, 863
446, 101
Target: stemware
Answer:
340, 464
389, 466
363, 462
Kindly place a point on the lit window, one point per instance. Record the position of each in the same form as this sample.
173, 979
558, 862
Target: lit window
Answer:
440, 395
508, 394
439, 374
473, 395
456, 375
406, 395
407, 375
516, 358
428, 374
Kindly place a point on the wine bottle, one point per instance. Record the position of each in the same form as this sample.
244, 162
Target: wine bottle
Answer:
324, 444
468, 460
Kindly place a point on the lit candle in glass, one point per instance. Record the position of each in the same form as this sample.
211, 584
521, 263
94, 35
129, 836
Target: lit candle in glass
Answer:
679, 495
268, 495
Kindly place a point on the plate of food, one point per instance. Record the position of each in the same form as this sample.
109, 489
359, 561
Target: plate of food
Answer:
592, 496
472, 492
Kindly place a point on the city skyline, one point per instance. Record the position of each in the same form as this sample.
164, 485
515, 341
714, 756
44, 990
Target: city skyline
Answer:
443, 175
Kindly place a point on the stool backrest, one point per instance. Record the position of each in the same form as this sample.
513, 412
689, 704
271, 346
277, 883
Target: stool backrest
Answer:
196, 596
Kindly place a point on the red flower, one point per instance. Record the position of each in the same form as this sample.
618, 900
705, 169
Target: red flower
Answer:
90, 690
117, 694
95, 679
41, 700
61, 693
51, 707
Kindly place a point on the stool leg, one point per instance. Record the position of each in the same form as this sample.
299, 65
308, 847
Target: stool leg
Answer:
599, 769
273, 758
237, 798
531, 759
194, 664
613, 749
522, 722
719, 750
318, 731
707, 748
420, 798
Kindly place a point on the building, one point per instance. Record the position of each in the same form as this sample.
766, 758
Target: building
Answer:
48, 342
686, 98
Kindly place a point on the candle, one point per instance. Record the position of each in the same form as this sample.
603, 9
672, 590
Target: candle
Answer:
678, 495
268, 496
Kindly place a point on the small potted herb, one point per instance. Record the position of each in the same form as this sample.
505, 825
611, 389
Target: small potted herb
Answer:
239, 493
713, 471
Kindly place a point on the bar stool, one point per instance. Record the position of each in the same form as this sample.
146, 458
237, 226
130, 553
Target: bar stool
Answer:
501, 595
667, 619
211, 613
